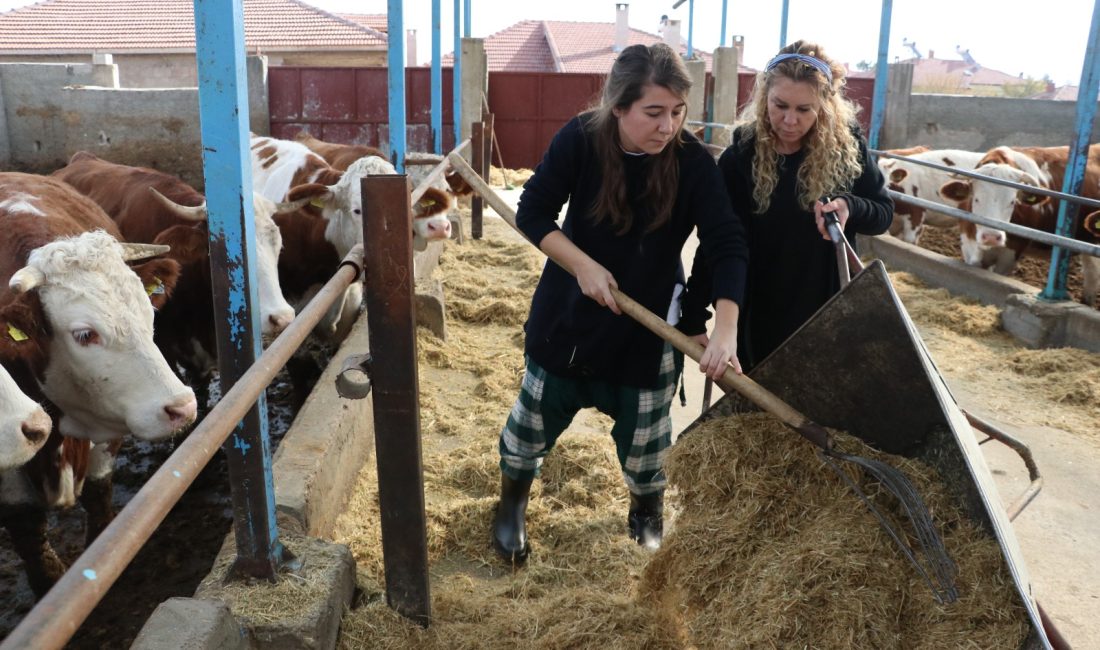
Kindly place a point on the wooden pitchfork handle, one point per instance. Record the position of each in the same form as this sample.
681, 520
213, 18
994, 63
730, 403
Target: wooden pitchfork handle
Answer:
730, 380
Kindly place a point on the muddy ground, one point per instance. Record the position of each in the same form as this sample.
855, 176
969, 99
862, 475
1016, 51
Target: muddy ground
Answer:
174, 560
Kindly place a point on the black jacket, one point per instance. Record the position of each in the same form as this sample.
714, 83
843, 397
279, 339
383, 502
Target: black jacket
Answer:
570, 334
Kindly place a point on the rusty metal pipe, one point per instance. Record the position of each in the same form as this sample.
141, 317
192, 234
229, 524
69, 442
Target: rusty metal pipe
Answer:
1017, 445
438, 171
55, 618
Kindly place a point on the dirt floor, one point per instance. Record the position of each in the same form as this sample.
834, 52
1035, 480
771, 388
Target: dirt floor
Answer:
580, 585
174, 560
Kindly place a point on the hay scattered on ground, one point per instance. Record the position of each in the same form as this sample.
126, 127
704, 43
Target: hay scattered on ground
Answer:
772, 550
504, 177
1050, 387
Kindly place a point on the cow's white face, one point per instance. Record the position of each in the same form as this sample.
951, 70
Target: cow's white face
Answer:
992, 201
275, 312
24, 425
103, 370
343, 205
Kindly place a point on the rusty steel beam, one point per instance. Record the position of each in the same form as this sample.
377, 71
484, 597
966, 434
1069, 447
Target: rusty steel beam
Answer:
56, 617
387, 231
477, 162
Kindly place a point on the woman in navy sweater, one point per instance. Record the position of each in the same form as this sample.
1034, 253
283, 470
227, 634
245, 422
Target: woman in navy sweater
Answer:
798, 145
637, 184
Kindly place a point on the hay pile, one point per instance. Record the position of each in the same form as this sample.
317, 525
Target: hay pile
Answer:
583, 584
772, 550
1061, 386
499, 177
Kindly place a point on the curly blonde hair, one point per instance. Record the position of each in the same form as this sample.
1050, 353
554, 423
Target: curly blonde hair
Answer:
832, 160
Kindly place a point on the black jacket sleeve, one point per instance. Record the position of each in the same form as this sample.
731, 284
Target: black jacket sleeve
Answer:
549, 187
870, 208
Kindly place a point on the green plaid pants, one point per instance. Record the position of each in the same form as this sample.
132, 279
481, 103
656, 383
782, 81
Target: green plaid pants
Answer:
547, 404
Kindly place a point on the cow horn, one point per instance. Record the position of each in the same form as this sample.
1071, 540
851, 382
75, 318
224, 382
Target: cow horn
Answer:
190, 213
132, 252
290, 206
26, 279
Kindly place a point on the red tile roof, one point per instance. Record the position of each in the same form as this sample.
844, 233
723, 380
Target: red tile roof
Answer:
374, 21
168, 25
931, 71
529, 46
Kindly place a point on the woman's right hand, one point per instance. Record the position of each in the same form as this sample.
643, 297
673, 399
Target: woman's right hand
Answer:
596, 282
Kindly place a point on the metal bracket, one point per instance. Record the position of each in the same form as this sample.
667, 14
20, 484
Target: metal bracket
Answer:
353, 380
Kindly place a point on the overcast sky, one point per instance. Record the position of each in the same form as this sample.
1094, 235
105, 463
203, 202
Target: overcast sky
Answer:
1013, 36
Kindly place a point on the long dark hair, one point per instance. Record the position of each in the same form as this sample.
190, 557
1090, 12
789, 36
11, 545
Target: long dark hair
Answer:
636, 67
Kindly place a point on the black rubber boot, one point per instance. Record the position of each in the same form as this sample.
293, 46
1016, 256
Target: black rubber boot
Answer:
646, 519
509, 527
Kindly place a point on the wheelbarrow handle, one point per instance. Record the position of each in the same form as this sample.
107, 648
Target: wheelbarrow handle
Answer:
753, 391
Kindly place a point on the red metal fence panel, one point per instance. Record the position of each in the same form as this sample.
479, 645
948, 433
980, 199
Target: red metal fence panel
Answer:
349, 106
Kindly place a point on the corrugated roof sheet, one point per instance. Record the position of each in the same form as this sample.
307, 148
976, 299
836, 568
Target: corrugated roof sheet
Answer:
159, 25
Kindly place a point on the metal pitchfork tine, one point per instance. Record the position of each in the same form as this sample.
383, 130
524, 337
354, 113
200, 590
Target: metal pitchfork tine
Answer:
891, 478
938, 569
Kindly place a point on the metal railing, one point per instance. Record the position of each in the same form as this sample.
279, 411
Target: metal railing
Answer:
56, 617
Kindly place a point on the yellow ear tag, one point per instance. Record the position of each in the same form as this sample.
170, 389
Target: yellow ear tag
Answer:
317, 203
156, 287
16, 333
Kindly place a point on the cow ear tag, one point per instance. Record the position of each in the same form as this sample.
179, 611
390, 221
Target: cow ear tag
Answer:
17, 334
156, 287
317, 203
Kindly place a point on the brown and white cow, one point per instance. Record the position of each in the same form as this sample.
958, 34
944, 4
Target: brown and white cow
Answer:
157, 208
922, 182
1040, 166
342, 155
287, 170
81, 320
24, 424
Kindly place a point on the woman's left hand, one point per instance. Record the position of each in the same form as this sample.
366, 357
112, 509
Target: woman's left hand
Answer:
839, 206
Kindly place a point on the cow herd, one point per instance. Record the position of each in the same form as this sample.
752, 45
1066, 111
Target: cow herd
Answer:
991, 248
106, 311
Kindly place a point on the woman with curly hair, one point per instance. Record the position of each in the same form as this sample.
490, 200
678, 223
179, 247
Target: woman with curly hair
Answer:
797, 152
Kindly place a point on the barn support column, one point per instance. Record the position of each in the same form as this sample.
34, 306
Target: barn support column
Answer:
726, 64
259, 100
475, 82
219, 38
899, 92
697, 97
878, 105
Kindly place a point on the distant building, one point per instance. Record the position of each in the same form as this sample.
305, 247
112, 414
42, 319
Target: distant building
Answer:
968, 77
153, 43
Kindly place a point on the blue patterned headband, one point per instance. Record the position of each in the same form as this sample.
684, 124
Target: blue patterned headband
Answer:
818, 64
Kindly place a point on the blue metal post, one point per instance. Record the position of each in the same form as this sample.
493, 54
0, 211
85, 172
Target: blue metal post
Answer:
396, 64
722, 40
1078, 156
882, 75
223, 116
783, 24
457, 70
466, 15
691, 25
437, 77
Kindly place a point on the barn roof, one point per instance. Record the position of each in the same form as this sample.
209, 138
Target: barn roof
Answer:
61, 26
562, 46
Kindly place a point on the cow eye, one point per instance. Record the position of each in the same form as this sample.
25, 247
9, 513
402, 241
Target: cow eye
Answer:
357, 211
86, 337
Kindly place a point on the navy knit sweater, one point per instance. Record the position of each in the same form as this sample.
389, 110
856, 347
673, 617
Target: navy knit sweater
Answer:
570, 334
792, 270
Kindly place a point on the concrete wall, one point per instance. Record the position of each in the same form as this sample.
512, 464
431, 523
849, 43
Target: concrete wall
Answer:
51, 111
972, 123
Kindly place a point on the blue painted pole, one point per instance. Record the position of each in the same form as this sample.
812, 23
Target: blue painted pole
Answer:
227, 170
691, 25
396, 65
882, 75
466, 16
722, 40
1078, 157
437, 77
457, 70
783, 24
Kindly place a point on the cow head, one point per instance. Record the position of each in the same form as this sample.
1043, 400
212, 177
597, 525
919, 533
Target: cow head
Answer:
24, 424
997, 202
189, 244
342, 207
102, 369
